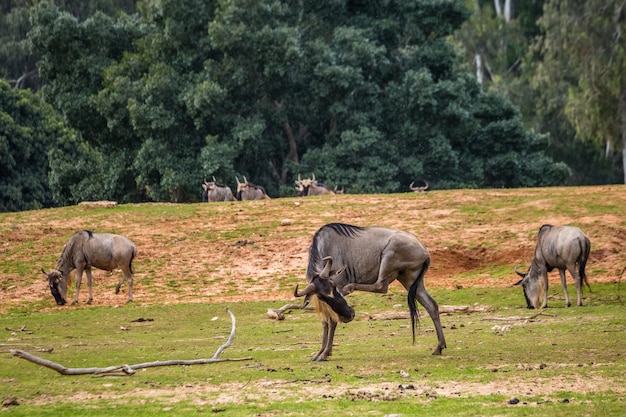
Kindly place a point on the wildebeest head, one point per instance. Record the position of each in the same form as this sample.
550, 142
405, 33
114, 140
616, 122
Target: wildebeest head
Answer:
58, 286
533, 286
324, 288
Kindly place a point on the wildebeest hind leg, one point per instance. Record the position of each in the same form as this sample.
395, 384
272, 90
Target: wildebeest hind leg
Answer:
432, 308
579, 284
564, 285
128, 276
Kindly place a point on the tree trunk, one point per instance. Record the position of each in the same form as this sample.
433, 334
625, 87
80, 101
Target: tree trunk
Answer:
498, 7
508, 10
622, 110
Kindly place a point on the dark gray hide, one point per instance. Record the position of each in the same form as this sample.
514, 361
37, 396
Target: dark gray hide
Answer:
86, 250
366, 259
561, 247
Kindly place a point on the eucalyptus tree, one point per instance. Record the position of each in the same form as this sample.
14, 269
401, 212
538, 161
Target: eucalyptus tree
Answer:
585, 40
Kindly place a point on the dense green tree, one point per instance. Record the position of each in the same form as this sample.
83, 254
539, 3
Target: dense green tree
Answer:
363, 94
18, 63
361, 97
28, 128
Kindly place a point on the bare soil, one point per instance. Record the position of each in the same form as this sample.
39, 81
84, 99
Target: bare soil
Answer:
257, 267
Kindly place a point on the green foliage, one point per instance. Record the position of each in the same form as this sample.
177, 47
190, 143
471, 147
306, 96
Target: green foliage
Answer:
367, 96
28, 128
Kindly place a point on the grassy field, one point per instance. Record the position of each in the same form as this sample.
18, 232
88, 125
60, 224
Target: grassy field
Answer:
195, 261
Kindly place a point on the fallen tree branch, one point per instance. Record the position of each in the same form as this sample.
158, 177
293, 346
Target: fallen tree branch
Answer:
443, 309
130, 369
279, 314
519, 318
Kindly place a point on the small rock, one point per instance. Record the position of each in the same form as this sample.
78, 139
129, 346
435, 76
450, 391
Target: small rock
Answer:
513, 401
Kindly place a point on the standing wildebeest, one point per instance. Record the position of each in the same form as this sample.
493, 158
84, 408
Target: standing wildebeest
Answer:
249, 191
558, 247
308, 186
345, 258
214, 192
86, 250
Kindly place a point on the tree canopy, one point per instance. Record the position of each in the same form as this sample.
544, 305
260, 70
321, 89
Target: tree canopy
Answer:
367, 95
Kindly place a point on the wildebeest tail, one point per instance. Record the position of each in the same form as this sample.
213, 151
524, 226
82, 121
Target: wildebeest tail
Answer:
130, 264
585, 248
412, 301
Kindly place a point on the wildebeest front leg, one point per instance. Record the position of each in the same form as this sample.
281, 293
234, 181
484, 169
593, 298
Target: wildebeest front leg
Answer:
89, 284
79, 278
386, 274
564, 286
328, 334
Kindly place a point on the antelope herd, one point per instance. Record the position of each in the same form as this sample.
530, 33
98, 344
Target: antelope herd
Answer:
343, 258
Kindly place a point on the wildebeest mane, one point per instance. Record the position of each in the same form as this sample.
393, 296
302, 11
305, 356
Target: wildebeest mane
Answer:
68, 250
315, 257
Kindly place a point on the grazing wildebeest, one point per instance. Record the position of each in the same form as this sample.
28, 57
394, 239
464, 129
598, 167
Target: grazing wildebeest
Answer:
214, 192
86, 250
310, 186
560, 247
249, 191
345, 258
419, 189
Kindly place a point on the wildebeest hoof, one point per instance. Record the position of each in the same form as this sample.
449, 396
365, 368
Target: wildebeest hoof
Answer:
89, 301
318, 359
74, 303
437, 351
129, 301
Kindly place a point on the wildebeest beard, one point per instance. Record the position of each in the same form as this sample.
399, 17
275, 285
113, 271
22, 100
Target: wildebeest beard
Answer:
339, 305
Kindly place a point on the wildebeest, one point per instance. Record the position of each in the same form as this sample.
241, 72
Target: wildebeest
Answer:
310, 186
561, 247
86, 250
345, 258
420, 189
249, 191
214, 192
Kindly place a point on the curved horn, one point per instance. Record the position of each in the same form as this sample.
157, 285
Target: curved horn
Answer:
329, 264
308, 290
214, 180
237, 179
521, 274
424, 188
245, 180
44, 272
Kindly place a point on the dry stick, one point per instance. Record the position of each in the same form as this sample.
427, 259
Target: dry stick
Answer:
518, 318
131, 369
